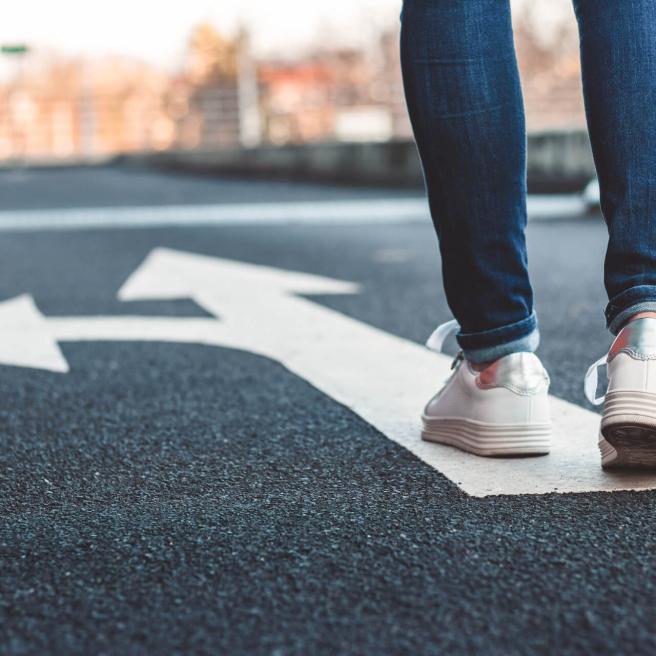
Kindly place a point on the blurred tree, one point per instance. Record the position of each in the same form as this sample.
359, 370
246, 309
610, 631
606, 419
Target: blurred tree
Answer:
211, 57
544, 38
548, 54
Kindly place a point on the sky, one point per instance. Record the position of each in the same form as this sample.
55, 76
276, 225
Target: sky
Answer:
156, 30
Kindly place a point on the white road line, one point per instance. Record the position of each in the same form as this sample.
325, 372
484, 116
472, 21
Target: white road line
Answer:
378, 210
355, 211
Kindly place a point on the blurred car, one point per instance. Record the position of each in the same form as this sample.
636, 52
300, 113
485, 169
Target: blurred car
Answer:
591, 196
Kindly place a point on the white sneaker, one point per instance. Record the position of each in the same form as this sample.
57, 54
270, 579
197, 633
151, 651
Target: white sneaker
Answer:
501, 411
627, 436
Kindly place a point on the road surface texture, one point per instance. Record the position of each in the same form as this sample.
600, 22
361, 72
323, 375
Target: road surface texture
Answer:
165, 498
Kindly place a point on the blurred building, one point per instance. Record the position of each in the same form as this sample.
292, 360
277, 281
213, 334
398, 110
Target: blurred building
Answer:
389, 83
223, 98
309, 100
551, 72
342, 94
295, 101
61, 107
70, 107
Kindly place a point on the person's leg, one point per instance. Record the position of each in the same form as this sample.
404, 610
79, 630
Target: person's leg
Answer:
618, 60
465, 103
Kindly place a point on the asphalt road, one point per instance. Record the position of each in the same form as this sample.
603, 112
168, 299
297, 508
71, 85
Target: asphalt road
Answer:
170, 499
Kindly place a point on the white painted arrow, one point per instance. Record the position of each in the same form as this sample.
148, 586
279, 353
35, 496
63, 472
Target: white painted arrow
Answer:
383, 378
28, 339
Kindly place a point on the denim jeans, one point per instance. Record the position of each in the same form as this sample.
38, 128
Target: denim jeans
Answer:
465, 103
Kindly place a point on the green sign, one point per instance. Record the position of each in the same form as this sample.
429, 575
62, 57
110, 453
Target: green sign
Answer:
14, 49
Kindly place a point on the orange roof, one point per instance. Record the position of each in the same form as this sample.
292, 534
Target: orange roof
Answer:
304, 73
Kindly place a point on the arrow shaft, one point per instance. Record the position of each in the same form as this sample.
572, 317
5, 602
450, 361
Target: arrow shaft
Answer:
135, 328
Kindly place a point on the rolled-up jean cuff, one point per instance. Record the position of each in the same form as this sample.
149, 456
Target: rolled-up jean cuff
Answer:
493, 344
624, 305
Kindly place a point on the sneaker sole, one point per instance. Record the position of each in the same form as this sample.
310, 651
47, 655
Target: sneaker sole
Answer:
630, 444
491, 440
628, 431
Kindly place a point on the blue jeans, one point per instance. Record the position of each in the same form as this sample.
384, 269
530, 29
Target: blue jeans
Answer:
465, 103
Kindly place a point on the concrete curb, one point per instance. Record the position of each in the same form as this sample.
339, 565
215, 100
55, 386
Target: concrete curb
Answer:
558, 161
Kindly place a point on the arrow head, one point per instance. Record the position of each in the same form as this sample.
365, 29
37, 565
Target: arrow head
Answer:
167, 273
26, 340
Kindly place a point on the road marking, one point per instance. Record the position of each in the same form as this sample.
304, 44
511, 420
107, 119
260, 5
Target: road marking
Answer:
382, 378
333, 212
374, 210
31, 340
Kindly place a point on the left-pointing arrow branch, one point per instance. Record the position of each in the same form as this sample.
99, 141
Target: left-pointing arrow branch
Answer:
30, 339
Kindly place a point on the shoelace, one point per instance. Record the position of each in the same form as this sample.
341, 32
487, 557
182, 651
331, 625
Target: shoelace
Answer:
591, 381
436, 341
